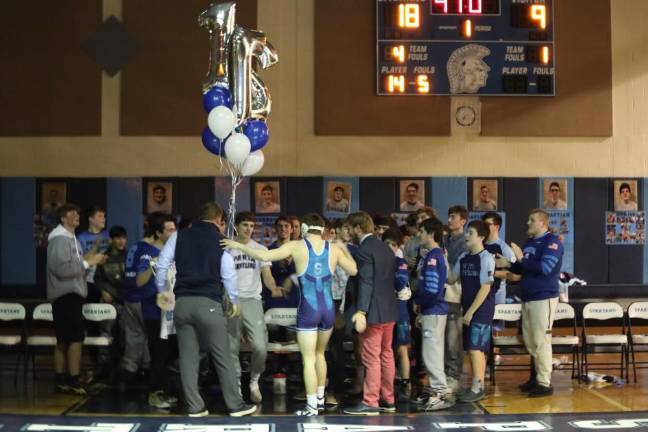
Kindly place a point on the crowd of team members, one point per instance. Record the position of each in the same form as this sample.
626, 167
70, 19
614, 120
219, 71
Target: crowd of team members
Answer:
454, 272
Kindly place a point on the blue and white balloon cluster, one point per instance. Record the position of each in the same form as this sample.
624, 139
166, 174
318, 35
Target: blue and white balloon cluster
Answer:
235, 98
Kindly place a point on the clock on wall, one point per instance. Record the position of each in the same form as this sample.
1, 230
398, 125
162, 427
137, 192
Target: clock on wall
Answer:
465, 115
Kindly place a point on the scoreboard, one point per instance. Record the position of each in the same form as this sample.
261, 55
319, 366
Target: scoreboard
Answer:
465, 47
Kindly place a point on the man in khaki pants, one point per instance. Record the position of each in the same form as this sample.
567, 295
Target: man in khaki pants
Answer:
539, 265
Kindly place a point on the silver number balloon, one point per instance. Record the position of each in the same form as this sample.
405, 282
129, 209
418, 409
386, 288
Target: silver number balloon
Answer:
219, 21
245, 45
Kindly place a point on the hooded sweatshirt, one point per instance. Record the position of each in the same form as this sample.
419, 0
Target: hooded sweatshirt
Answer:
65, 265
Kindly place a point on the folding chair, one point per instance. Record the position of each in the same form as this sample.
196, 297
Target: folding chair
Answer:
565, 311
282, 317
43, 314
602, 312
637, 311
13, 340
98, 312
510, 313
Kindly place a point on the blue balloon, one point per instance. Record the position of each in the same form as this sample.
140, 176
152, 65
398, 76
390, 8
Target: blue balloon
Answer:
212, 143
217, 96
257, 133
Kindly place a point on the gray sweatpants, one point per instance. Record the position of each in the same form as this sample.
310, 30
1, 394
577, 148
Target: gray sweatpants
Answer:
200, 321
433, 330
537, 322
252, 323
136, 353
454, 342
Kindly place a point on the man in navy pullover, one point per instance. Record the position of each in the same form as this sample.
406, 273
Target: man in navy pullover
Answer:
539, 265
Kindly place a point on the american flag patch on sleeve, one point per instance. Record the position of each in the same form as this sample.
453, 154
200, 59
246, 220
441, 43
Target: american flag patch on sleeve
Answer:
553, 246
432, 262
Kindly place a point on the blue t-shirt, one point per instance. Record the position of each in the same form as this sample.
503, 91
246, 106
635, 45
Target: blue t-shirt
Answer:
401, 282
280, 271
540, 267
476, 270
88, 240
138, 260
432, 279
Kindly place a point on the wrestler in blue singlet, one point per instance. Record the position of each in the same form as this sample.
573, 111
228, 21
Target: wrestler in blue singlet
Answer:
316, 310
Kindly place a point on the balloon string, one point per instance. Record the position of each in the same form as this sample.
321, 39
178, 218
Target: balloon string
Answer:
236, 179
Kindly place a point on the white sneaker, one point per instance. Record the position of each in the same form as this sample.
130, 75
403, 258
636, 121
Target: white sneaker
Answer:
307, 411
453, 385
203, 413
437, 402
255, 394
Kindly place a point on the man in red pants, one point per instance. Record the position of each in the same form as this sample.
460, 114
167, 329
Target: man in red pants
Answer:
375, 316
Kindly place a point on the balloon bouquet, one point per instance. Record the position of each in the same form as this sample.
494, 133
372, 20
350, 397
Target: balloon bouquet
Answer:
236, 99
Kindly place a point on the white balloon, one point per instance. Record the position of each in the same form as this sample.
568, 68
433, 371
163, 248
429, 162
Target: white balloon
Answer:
221, 121
253, 163
237, 148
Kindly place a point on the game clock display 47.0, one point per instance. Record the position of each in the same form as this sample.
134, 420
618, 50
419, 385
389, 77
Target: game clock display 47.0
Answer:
465, 47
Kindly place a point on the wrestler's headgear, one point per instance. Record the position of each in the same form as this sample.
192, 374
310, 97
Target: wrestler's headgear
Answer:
305, 228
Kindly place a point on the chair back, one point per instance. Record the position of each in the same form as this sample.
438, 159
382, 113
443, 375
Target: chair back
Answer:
43, 312
564, 311
284, 317
508, 312
638, 310
99, 311
12, 311
602, 311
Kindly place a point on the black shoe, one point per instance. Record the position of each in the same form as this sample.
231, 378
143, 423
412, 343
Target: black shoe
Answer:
385, 407
75, 387
362, 409
528, 386
243, 410
540, 391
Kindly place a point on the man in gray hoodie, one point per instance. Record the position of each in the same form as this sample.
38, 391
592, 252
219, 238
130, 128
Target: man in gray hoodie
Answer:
66, 289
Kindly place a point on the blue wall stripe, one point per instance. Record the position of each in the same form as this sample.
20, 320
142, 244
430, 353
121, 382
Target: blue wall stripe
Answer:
643, 206
18, 207
446, 192
124, 206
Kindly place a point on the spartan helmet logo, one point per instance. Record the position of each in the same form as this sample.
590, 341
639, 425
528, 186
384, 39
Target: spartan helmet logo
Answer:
467, 71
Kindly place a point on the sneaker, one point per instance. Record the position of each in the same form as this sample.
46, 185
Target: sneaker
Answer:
243, 410
331, 401
404, 392
497, 360
255, 394
301, 396
76, 389
422, 398
436, 402
471, 396
321, 405
63, 388
528, 386
453, 385
158, 399
362, 409
540, 391
203, 413
307, 411
385, 407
